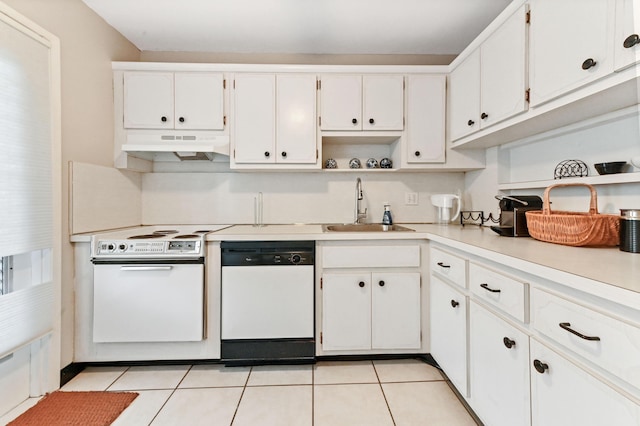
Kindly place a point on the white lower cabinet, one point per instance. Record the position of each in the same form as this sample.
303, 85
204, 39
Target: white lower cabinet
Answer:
498, 369
448, 321
364, 311
564, 394
575, 363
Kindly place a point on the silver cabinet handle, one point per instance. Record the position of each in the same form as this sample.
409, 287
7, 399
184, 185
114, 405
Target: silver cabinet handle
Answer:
146, 268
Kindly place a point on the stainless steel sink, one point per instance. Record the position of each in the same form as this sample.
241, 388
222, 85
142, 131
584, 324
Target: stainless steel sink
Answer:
365, 227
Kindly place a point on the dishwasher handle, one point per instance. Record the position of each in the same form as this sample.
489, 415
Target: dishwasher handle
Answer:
147, 268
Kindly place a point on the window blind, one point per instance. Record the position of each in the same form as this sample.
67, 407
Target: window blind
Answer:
26, 216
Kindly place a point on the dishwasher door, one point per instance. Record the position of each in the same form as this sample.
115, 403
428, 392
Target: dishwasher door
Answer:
148, 302
267, 302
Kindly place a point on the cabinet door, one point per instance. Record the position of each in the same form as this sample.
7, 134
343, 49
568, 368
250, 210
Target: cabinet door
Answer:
498, 370
502, 65
563, 394
395, 311
464, 97
564, 36
148, 100
254, 125
626, 49
449, 332
346, 311
199, 101
425, 140
296, 119
383, 102
341, 102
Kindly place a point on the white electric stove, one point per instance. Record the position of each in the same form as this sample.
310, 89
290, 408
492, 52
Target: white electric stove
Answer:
148, 284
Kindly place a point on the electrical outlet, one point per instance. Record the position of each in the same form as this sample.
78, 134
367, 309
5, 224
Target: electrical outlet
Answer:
411, 198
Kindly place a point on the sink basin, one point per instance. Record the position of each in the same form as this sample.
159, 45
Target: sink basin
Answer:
365, 227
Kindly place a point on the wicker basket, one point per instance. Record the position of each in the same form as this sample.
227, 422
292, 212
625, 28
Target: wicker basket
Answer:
574, 228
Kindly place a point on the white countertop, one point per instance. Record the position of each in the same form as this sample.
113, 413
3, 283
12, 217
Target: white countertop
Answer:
618, 269
605, 265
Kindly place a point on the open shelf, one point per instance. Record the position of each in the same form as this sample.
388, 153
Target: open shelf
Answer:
615, 179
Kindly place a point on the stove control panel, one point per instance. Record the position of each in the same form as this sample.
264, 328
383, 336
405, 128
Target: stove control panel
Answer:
132, 248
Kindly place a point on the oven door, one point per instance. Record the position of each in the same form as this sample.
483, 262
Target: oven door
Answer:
148, 302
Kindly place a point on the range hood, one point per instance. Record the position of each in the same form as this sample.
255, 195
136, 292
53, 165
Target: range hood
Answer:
186, 145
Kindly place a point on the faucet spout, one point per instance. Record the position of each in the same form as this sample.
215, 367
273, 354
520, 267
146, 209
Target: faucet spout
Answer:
359, 214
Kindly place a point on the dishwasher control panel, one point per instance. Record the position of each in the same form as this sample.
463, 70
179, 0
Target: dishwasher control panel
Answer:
248, 253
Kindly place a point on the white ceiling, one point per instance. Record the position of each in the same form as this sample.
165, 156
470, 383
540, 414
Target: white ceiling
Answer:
300, 26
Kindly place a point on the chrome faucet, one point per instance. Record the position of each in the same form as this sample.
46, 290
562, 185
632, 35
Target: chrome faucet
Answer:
358, 214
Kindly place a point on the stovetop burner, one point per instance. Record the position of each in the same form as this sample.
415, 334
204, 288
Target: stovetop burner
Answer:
166, 231
186, 236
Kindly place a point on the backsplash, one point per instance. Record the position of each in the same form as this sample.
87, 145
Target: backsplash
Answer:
289, 197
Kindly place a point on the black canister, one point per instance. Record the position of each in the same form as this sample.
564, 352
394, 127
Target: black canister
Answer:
630, 230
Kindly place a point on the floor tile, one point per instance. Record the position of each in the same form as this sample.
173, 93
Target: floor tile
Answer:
150, 377
333, 372
215, 376
94, 379
281, 375
406, 370
13, 414
425, 403
350, 405
275, 406
193, 407
144, 408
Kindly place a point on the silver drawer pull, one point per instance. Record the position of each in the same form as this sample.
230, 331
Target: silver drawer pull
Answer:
146, 268
567, 325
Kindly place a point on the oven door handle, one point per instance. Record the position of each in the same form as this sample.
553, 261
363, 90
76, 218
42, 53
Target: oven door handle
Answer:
146, 268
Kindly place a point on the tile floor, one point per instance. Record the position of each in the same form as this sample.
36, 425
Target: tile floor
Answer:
331, 393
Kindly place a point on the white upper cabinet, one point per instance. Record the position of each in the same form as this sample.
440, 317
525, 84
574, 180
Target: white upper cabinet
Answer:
464, 97
626, 49
341, 102
503, 61
296, 128
148, 100
274, 119
490, 84
254, 118
165, 100
199, 101
425, 134
571, 45
355, 102
383, 102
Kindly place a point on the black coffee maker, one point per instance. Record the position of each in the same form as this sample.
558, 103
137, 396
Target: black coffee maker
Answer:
513, 221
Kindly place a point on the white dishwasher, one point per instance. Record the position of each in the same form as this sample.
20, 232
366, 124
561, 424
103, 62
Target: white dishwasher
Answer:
267, 302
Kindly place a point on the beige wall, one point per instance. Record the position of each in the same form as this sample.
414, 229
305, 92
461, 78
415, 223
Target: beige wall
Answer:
88, 45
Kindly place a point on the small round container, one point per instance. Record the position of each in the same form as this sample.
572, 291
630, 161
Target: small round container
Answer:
372, 163
354, 163
630, 230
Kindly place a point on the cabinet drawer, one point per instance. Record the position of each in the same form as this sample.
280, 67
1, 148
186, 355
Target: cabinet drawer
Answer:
449, 266
371, 256
502, 291
618, 347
